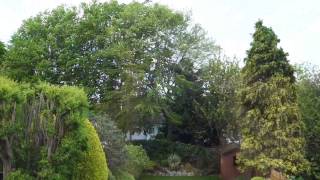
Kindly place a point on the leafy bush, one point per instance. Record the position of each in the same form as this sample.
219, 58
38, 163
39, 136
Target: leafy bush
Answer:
50, 137
257, 178
199, 157
138, 160
174, 161
19, 175
123, 175
93, 164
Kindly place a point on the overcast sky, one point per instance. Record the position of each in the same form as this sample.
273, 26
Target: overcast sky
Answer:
229, 22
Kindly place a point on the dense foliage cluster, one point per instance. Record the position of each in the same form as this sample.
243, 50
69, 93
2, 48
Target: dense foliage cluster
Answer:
93, 164
309, 103
43, 132
271, 127
141, 64
207, 160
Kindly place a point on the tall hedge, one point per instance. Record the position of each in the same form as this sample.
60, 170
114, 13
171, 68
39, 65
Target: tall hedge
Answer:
44, 132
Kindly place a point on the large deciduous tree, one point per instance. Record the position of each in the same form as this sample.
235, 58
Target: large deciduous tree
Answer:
271, 126
122, 54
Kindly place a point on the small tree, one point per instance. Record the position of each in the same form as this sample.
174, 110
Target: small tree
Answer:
271, 126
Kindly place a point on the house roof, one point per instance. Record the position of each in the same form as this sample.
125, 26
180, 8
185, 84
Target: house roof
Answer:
230, 148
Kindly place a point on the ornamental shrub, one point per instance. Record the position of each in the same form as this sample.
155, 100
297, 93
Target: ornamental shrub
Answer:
174, 161
94, 164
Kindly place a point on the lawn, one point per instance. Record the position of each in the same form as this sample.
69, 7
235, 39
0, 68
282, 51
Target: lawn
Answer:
179, 178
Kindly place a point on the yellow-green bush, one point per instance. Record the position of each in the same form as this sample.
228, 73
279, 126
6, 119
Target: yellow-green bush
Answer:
93, 165
257, 178
61, 143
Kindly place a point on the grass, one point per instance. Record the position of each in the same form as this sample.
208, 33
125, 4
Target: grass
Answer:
179, 178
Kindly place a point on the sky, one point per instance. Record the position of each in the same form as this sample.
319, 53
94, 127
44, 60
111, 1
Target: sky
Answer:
229, 22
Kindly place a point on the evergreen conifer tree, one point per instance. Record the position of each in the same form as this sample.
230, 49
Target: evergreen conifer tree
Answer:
271, 126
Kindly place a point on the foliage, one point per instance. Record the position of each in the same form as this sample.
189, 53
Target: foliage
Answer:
174, 161
201, 108
122, 54
271, 127
11, 98
199, 157
113, 141
19, 175
48, 138
64, 109
94, 164
296, 178
309, 104
221, 82
122, 175
257, 178
3, 51
138, 160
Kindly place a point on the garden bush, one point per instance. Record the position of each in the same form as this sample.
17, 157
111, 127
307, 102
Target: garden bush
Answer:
19, 175
174, 161
123, 175
93, 164
137, 161
49, 136
258, 178
199, 157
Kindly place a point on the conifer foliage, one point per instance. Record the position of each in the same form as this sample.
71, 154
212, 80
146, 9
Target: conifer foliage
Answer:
271, 125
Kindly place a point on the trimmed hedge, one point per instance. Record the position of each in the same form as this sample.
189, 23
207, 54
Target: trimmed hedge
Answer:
94, 164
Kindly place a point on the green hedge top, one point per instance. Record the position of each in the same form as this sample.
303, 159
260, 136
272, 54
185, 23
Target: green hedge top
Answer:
49, 133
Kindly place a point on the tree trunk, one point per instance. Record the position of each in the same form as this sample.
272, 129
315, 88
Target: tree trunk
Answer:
6, 167
6, 156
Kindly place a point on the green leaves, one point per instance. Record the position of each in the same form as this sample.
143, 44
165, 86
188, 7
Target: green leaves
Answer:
44, 129
308, 89
270, 121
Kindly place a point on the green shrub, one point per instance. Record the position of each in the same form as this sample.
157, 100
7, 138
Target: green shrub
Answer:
93, 164
19, 175
258, 178
61, 144
199, 157
174, 161
122, 175
137, 160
